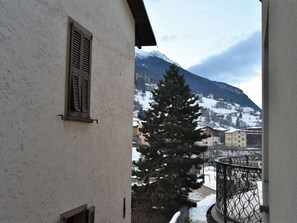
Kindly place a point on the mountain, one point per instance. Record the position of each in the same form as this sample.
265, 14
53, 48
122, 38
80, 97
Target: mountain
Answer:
216, 113
150, 67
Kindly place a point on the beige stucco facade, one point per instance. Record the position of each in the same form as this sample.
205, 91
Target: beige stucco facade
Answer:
279, 109
236, 138
48, 165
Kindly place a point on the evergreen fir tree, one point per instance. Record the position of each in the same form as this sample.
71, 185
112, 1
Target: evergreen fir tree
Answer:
170, 128
240, 115
237, 124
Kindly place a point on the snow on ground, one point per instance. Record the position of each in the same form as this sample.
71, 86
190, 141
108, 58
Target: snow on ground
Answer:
210, 177
144, 99
195, 196
247, 109
246, 117
135, 154
207, 102
223, 111
199, 213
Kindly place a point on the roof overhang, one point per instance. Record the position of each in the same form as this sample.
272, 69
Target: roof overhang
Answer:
144, 35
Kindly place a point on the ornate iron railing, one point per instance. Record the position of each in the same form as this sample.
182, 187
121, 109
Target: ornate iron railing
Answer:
237, 193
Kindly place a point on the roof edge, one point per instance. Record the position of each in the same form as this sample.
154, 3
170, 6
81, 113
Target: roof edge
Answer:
144, 35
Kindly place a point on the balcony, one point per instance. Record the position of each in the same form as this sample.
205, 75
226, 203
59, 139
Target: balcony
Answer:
237, 196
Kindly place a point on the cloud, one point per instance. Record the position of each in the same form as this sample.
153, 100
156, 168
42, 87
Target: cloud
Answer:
168, 38
172, 37
238, 63
253, 88
186, 36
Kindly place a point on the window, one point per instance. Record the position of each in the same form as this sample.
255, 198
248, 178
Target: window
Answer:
79, 215
79, 73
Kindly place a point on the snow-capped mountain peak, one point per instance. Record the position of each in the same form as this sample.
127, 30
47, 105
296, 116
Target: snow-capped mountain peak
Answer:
140, 54
150, 67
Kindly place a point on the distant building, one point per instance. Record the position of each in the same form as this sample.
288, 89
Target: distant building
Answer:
138, 138
213, 137
254, 137
135, 131
141, 138
135, 114
235, 138
221, 131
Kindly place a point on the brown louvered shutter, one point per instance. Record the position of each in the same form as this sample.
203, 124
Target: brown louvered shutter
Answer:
75, 102
79, 73
91, 215
75, 66
85, 74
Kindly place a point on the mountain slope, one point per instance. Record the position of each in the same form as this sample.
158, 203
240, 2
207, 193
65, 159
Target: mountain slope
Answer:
150, 67
214, 113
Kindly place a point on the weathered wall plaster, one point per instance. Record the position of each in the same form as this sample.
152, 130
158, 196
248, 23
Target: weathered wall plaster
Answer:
49, 166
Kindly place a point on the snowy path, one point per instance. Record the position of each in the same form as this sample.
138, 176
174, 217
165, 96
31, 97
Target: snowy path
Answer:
198, 214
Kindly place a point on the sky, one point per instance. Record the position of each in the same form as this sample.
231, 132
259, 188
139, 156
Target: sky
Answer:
216, 39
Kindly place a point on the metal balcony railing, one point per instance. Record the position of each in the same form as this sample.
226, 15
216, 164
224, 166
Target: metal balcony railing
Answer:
237, 198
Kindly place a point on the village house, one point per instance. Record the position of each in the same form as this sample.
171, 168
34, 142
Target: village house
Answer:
254, 137
66, 104
135, 129
213, 137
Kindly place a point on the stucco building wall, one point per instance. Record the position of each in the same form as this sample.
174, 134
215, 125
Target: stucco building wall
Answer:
49, 166
235, 138
279, 90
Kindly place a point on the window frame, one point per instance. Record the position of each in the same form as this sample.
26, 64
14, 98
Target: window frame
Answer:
68, 215
82, 74
79, 214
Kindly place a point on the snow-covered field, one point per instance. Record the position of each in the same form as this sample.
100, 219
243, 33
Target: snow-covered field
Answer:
143, 98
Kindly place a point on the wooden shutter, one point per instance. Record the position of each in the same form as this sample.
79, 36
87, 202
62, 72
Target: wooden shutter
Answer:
91, 215
75, 66
75, 99
79, 73
85, 95
85, 75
